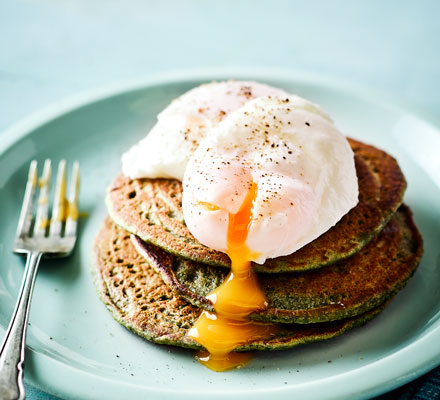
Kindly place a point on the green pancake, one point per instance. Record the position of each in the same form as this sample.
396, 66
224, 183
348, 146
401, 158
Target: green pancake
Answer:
151, 209
347, 288
138, 298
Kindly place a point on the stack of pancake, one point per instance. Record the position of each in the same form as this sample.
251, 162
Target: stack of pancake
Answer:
154, 276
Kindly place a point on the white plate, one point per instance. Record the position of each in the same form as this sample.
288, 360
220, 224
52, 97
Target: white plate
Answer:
76, 349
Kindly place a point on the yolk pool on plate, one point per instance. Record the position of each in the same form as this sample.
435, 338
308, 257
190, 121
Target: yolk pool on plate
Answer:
237, 297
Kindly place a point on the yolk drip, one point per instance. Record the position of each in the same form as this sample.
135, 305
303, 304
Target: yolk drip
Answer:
72, 211
59, 213
208, 206
237, 297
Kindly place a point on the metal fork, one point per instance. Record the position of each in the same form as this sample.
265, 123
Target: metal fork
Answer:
37, 237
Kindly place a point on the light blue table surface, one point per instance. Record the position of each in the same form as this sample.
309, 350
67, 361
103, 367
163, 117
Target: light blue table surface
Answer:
51, 50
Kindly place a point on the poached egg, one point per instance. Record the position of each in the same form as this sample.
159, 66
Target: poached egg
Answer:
264, 173
301, 167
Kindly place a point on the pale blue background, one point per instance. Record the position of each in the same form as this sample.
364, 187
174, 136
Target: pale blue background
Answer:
54, 49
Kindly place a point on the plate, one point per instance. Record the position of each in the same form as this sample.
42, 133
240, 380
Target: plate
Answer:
75, 348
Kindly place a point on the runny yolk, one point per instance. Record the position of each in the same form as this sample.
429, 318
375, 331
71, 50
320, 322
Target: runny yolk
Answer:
237, 297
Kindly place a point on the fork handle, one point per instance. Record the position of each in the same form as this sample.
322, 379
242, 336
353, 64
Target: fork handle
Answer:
13, 346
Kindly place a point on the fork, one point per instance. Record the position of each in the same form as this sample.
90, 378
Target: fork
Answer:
37, 237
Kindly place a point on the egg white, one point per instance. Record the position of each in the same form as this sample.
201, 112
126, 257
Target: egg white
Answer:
165, 151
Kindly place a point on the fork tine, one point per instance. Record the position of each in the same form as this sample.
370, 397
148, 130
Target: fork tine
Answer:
41, 220
72, 212
24, 223
59, 204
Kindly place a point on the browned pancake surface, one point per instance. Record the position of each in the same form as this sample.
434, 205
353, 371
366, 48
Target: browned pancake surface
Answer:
151, 209
140, 300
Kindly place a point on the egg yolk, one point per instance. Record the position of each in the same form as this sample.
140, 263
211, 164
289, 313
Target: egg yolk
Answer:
237, 297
